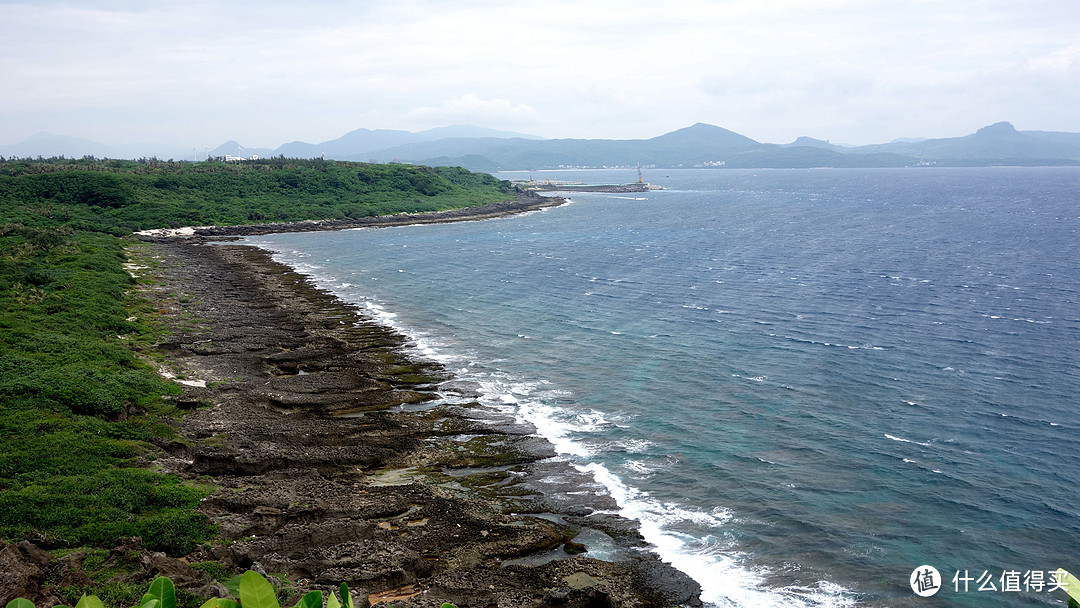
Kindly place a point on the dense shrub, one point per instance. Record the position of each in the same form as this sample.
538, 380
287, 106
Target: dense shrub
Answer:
122, 196
69, 471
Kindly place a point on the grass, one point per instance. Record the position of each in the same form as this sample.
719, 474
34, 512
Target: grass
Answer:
82, 414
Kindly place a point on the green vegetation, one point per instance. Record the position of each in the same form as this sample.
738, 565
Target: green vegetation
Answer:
79, 412
254, 592
81, 415
122, 196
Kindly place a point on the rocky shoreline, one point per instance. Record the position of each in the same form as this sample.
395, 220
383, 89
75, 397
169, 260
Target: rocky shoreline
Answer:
333, 462
411, 502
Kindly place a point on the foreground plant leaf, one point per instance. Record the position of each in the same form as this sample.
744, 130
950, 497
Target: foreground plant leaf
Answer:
313, 599
256, 591
163, 591
89, 601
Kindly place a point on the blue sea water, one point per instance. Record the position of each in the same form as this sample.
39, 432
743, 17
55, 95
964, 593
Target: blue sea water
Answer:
803, 383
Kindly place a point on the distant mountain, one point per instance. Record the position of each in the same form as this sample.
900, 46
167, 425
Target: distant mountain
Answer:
233, 148
47, 144
810, 142
1069, 139
996, 144
355, 145
471, 162
693, 145
152, 150
710, 146
701, 136
699, 145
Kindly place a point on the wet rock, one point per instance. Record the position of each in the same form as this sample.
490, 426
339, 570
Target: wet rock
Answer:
664, 582
574, 548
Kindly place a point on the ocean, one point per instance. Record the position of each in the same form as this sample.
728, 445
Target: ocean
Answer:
804, 384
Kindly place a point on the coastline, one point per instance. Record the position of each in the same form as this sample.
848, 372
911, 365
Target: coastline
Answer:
419, 504
521, 203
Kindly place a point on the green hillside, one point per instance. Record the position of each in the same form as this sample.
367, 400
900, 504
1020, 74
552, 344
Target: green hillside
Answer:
121, 196
82, 415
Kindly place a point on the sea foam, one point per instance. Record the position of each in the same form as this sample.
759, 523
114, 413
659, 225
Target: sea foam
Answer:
720, 570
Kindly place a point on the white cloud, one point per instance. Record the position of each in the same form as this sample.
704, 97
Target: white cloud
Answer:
470, 108
273, 71
1060, 60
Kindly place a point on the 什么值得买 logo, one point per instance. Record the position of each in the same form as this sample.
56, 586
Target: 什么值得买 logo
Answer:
925, 581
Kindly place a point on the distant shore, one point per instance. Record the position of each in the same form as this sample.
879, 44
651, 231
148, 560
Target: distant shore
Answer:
521, 203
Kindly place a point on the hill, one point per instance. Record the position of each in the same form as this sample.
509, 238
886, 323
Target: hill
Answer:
699, 145
83, 416
703, 145
810, 142
121, 196
995, 144
46, 145
354, 145
358, 144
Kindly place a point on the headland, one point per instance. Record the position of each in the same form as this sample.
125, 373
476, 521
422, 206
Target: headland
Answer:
523, 202
326, 457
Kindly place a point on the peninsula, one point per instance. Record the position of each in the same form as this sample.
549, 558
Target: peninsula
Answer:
193, 410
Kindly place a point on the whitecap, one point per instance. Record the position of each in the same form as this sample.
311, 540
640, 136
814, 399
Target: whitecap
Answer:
635, 446
724, 577
901, 439
724, 580
640, 467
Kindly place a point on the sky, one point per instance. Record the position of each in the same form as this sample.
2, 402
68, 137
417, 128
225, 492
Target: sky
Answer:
198, 73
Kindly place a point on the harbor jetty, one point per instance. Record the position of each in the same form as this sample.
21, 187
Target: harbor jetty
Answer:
567, 186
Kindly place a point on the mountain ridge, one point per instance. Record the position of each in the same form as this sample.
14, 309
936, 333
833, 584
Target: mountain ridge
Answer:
704, 145
698, 145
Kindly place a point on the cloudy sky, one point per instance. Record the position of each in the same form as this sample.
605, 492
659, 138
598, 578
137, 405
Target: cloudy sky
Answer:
197, 73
